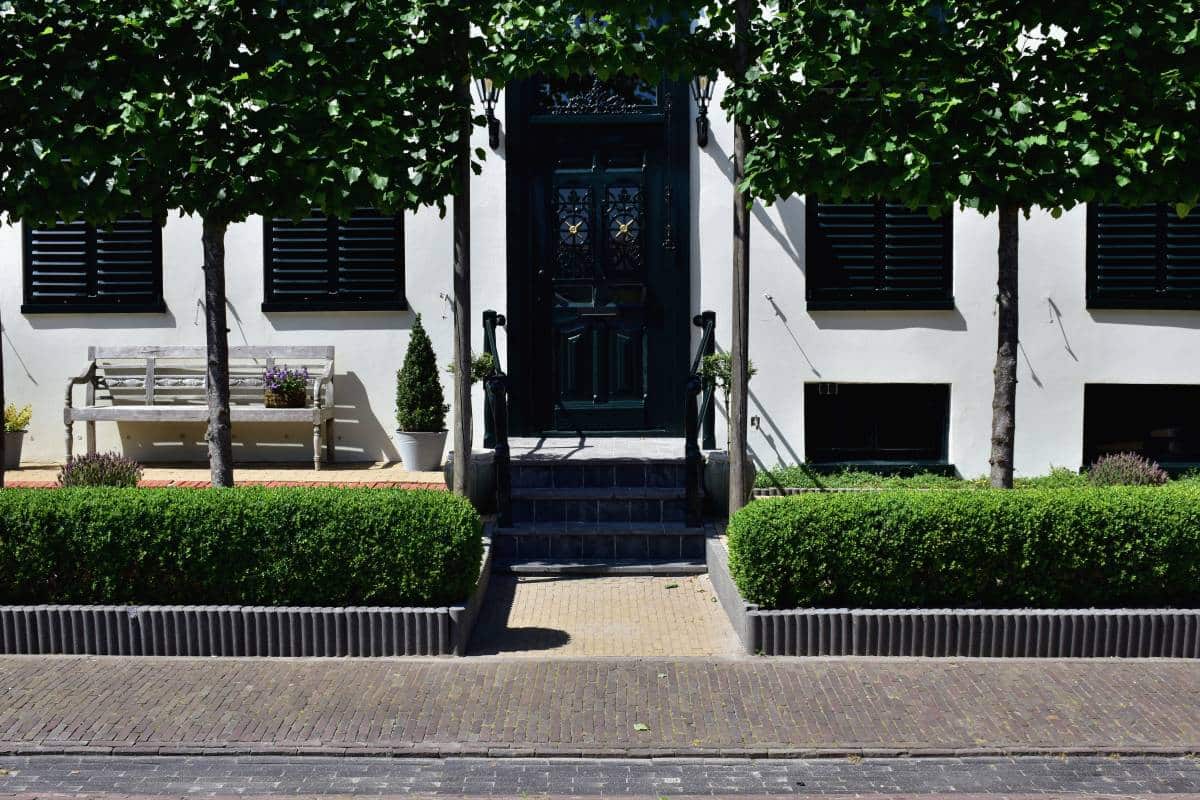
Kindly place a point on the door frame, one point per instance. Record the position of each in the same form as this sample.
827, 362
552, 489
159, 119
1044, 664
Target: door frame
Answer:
673, 114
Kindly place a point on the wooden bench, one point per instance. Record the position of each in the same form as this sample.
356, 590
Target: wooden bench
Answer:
167, 384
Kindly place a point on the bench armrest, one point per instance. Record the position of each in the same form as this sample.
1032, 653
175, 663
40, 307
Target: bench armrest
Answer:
322, 390
86, 377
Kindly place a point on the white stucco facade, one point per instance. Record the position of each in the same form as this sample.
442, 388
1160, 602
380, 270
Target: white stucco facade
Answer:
1063, 345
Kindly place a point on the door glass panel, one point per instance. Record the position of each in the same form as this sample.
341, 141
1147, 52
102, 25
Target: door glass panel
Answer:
623, 212
573, 247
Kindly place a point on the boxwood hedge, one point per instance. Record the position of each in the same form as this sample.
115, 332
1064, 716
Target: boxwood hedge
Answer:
1040, 548
255, 546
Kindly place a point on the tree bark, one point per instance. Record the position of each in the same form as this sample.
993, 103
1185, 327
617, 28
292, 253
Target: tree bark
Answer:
1004, 397
462, 293
220, 432
739, 344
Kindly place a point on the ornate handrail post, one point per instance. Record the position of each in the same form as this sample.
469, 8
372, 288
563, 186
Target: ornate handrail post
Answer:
693, 411
709, 324
495, 419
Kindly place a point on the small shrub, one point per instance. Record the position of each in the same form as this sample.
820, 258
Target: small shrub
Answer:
1059, 478
1126, 469
420, 405
17, 419
100, 469
717, 369
1033, 548
250, 546
805, 476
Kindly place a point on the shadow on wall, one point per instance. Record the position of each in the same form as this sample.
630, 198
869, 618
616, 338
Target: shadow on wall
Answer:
782, 449
342, 321
791, 210
83, 323
1165, 318
950, 320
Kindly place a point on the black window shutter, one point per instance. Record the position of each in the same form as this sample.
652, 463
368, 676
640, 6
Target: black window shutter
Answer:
321, 263
74, 267
1142, 257
877, 255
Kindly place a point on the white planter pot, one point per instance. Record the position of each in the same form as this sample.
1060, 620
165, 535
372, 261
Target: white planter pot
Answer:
421, 452
12, 448
483, 479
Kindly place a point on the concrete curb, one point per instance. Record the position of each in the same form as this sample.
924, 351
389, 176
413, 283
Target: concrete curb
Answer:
255, 631
482, 750
954, 632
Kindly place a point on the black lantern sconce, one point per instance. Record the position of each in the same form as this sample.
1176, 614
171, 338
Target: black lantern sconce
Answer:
489, 93
702, 90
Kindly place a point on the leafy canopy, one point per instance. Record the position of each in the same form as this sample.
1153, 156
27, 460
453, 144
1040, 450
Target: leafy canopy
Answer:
984, 103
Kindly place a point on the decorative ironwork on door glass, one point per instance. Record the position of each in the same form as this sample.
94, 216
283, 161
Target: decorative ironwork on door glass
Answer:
623, 218
573, 249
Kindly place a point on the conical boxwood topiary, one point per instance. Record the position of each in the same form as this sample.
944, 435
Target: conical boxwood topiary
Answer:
419, 398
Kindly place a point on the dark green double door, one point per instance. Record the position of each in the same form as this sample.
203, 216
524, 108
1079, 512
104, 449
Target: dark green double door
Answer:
607, 285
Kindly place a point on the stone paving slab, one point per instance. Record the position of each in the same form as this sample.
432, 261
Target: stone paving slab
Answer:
598, 707
535, 617
264, 777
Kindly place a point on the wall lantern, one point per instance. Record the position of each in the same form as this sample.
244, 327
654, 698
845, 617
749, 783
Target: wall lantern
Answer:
489, 93
702, 90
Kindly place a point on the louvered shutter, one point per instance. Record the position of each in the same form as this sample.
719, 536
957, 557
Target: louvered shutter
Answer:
320, 263
76, 267
877, 255
1142, 257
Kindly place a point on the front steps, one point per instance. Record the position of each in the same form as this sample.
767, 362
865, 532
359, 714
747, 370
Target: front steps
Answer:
606, 515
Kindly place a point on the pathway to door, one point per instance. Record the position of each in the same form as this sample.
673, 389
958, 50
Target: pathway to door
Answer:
555, 615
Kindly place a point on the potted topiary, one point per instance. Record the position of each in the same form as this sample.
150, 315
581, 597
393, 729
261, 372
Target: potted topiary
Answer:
420, 406
16, 422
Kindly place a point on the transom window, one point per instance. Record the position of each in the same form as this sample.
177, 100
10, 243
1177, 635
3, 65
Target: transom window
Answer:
1142, 257
73, 267
322, 263
877, 255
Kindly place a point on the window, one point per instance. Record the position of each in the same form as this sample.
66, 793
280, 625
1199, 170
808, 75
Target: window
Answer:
877, 255
325, 264
73, 267
1143, 257
1160, 422
881, 423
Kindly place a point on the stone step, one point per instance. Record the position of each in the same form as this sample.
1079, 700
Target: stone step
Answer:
599, 541
659, 567
612, 504
632, 473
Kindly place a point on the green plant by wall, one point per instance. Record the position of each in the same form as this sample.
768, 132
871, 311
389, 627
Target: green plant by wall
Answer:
1041, 548
482, 366
420, 403
255, 546
1126, 469
717, 369
17, 419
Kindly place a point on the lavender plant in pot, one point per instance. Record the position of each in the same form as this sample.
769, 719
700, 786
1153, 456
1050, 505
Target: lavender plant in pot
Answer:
284, 387
420, 405
16, 423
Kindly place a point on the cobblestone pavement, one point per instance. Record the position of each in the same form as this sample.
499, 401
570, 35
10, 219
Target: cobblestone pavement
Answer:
610, 616
257, 777
598, 707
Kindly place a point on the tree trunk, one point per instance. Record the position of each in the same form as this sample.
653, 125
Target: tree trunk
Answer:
3, 454
220, 432
462, 294
739, 344
1004, 397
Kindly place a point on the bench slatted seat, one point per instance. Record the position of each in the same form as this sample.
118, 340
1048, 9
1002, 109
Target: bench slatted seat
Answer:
167, 384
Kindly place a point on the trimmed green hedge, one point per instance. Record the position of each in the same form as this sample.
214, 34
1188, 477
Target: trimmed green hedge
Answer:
1039, 548
255, 546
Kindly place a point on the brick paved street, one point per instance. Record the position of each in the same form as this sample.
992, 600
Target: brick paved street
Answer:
319, 776
770, 707
603, 616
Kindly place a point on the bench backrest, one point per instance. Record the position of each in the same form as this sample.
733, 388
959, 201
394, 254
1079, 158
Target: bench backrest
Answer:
151, 375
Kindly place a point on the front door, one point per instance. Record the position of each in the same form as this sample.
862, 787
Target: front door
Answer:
604, 271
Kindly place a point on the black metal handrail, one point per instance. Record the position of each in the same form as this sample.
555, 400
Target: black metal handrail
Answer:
698, 412
495, 419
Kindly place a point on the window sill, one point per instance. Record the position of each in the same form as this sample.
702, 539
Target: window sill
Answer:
93, 308
880, 304
272, 307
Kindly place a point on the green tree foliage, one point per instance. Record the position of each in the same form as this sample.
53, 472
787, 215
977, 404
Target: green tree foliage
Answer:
420, 404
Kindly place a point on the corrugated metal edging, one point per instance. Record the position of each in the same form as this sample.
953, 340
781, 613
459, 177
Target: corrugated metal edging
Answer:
989, 633
226, 631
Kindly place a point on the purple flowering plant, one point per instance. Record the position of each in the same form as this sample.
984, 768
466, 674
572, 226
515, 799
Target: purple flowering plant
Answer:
283, 380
